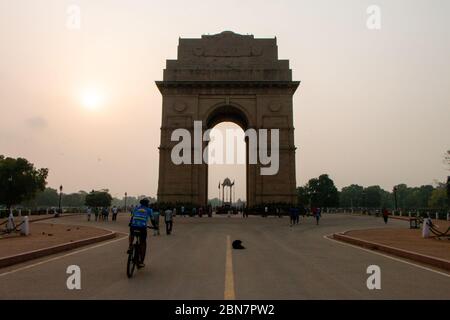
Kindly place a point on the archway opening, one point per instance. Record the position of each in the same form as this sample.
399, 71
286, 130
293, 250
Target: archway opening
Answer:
228, 160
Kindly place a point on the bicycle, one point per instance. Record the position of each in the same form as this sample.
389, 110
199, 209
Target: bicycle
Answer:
134, 256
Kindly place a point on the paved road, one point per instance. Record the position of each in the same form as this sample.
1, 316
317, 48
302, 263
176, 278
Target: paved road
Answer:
280, 262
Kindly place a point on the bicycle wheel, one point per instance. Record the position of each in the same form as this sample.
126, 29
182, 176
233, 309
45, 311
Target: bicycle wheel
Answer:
137, 250
131, 263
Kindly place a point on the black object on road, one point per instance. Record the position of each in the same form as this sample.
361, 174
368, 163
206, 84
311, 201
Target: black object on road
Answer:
237, 244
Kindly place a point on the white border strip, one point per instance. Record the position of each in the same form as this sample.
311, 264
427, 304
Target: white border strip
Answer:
386, 256
61, 256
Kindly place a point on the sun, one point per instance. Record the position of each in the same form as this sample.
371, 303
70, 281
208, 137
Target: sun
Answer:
92, 99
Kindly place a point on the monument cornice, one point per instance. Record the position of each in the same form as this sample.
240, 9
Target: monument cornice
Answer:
228, 84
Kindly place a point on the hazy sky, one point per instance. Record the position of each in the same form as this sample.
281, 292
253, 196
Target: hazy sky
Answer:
373, 106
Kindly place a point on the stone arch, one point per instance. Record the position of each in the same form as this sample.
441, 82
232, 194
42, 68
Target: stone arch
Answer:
228, 112
231, 112
227, 77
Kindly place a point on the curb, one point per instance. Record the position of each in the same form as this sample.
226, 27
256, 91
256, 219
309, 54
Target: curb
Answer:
401, 218
23, 257
418, 257
53, 217
48, 217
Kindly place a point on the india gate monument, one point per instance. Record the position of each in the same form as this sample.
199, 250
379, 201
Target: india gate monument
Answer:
234, 78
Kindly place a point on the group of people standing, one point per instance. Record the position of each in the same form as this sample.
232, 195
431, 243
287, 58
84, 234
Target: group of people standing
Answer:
102, 213
295, 212
195, 211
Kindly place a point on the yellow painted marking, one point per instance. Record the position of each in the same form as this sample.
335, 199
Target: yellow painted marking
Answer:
229, 279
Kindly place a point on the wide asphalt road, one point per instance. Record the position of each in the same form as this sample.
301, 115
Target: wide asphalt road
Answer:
196, 262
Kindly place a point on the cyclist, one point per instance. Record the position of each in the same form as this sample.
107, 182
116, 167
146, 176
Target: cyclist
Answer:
138, 227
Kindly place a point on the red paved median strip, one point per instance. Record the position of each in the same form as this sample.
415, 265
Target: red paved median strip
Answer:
36, 218
47, 239
397, 247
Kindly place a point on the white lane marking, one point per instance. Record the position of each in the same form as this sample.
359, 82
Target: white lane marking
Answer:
389, 257
229, 293
60, 257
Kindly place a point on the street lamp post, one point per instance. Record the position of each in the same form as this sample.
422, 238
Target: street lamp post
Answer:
60, 195
351, 203
363, 201
448, 191
395, 198
10, 181
312, 197
8, 194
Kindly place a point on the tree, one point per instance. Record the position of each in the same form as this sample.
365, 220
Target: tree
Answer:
215, 202
98, 199
402, 193
131, 201
438, 198
47, 198
415, 197
418, 197
387, 199
74, 199
322, 192
372, 196
447, 162
303, 196
448, 191
351, 196
19, 180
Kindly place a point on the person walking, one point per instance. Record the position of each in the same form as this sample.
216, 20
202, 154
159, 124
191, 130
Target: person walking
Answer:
292, 216
318, 215
426, 226
168, 219
114, 213
96, 213
300, 211
155, 221
385, 213
88, 212
105, 213
210, 211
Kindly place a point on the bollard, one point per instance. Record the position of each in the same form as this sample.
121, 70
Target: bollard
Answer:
20, 212
46, 211
25, 231
29, 212
409, 214
437, 215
